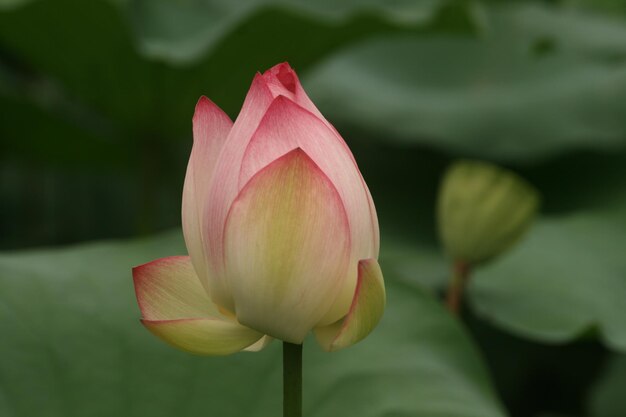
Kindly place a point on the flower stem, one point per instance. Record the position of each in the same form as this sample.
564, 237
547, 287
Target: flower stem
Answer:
292, 380
460, 276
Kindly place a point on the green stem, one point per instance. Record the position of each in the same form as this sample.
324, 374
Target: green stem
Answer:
292, 380
454, 297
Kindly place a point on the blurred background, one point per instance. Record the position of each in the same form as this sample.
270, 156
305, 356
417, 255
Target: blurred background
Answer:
96, 99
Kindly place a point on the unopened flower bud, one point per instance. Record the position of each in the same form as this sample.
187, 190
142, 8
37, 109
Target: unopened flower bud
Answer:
483, 210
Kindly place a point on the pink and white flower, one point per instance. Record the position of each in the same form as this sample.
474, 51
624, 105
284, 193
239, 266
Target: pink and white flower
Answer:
280, 227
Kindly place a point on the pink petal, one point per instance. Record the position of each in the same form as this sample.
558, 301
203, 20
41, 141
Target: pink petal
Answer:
210, 130
287, 246
176, 308
224, 189
282, 80
287, 126
168, 288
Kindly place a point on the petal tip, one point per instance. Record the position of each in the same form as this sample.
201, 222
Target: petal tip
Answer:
206, 108
260, 80
203, 104
285, 75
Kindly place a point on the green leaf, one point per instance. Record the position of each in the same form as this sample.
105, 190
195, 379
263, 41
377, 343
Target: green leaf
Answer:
531, 87
607, 396
566, 278
72, 345
157, 24
564, 29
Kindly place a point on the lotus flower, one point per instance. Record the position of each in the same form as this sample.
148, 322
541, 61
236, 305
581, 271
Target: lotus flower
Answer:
280, 227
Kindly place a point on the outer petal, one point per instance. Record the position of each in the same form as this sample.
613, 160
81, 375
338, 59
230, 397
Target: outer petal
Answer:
210, 129
287, 126
203, 336
365, 312
224, 187
287, 248
168, 288
176, 308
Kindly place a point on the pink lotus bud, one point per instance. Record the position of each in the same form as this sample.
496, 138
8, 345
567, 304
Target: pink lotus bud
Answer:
280, 227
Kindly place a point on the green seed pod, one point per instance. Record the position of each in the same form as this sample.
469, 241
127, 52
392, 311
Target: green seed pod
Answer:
483, 210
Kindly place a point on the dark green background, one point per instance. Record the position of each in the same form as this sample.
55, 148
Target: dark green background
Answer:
96, 99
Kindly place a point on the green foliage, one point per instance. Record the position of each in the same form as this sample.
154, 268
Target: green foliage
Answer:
75, 347
528, 88
577, 260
